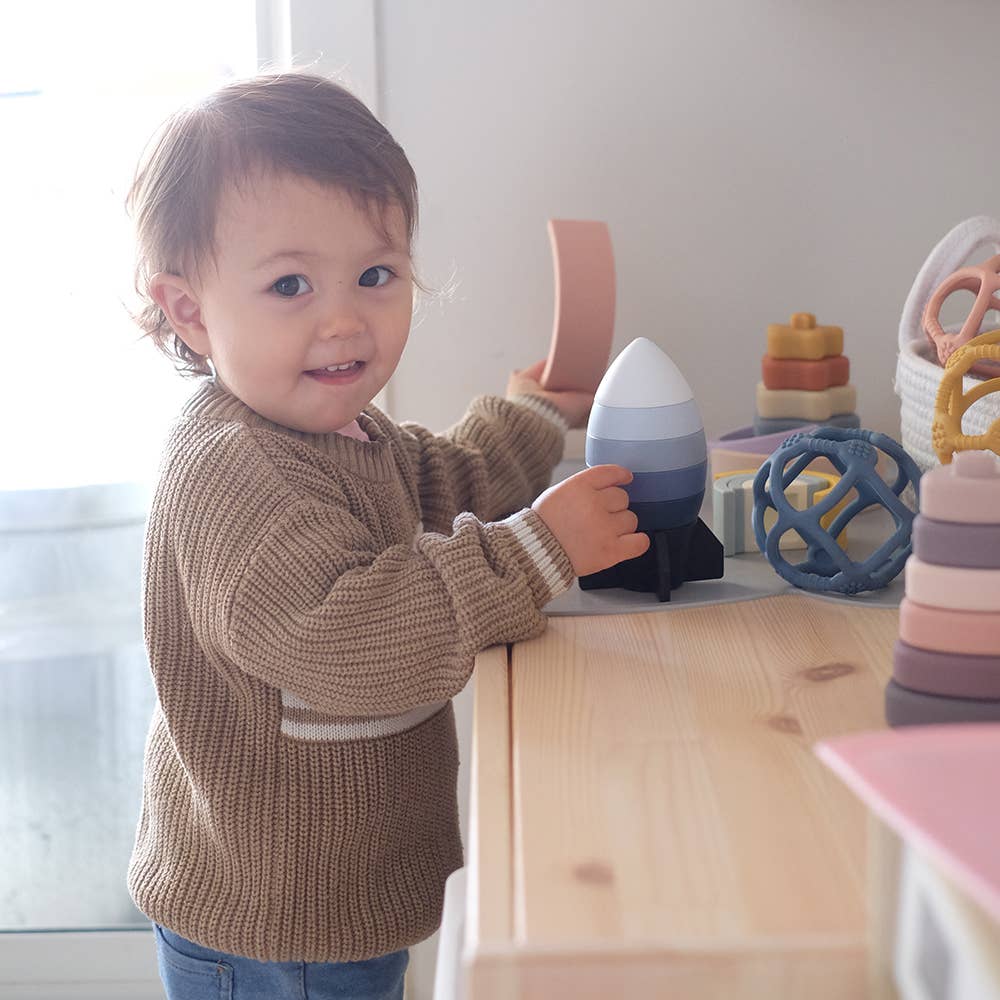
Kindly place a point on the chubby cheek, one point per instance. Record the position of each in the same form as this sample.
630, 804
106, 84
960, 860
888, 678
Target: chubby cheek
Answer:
397, 333
258, 369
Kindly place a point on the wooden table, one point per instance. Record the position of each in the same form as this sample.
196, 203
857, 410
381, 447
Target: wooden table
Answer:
648, 818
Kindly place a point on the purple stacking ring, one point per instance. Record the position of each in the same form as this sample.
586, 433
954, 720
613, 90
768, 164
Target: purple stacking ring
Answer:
904, 707
948, 543
955, 675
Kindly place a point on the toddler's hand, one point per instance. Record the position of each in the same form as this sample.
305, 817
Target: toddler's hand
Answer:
588, 513
573, 405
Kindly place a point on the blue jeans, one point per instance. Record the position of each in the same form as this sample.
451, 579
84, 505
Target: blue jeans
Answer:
191, 972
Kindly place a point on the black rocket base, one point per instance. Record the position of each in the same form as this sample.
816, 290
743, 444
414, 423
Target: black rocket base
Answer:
675, 555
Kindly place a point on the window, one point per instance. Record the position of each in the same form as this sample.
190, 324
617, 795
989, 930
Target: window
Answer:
82, 398
83, 405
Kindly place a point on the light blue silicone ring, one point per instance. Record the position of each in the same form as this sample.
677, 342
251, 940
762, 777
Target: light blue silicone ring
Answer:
779, 425
644, 423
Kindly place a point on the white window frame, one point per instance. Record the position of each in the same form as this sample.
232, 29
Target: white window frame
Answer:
79, 965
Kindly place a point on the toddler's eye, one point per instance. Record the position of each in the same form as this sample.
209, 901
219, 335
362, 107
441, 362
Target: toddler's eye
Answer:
292, 285
375, 276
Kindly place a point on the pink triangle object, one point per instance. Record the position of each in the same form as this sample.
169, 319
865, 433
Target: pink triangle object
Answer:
935, 787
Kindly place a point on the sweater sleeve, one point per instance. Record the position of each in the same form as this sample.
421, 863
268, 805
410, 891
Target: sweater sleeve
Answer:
495, 460
352, 630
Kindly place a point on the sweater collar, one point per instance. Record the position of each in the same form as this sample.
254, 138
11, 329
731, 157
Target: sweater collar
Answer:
212, 400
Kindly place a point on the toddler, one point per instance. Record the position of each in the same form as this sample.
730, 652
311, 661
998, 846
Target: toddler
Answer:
317, 578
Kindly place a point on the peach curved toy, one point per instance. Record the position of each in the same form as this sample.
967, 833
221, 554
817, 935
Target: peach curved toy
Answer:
983, 280
967, 490
584, 323
973, 632
803, 339
951, 403
951, 586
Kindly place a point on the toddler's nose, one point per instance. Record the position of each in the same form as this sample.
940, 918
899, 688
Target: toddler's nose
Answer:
341, 325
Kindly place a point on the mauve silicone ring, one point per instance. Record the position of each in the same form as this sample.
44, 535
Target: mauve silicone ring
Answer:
976, 633
955, 587
745, 439
967, 490
904, 707
946, 543
951, 674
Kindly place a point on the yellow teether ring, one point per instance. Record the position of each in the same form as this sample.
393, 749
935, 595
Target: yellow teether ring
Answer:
951, 402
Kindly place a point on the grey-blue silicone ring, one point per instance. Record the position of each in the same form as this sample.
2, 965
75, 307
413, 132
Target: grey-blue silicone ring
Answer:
650, 487
649, 456
778, 425
667, 513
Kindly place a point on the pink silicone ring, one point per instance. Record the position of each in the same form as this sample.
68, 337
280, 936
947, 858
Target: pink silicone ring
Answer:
967, 489
974, 632
952, 587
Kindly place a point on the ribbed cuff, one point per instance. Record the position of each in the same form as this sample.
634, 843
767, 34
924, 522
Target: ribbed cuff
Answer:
542, 407
544, 559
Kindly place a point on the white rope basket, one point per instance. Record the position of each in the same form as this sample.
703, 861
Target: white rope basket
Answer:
918, 374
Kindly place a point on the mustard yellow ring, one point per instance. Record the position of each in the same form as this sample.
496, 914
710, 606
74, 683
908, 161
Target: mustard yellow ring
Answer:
951, 403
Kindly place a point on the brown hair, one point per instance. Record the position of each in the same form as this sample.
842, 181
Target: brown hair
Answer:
286, 123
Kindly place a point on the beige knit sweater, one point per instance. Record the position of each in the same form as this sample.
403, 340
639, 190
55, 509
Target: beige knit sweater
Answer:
312, 602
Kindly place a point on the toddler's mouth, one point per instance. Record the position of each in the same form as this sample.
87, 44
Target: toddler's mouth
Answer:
337, 374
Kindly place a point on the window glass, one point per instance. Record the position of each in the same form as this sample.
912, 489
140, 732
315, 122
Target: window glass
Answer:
83, 404
82, 87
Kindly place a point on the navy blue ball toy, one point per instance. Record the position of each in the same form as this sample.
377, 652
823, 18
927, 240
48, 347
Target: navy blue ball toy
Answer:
852, 452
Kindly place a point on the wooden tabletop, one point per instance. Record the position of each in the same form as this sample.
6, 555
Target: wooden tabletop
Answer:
648, 817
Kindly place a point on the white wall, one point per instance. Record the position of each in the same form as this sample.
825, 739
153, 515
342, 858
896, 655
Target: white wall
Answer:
752, 159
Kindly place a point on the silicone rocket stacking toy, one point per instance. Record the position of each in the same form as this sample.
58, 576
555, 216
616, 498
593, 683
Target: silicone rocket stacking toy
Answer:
804, 378
946, 663
645, 418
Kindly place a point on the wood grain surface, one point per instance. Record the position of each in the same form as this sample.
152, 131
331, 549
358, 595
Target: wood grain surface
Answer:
667, 817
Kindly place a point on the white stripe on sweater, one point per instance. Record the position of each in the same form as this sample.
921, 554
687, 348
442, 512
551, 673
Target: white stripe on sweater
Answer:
543, 409
532, 544
355, 729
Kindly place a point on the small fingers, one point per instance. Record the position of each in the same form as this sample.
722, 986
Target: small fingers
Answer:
602, 476
532, 371
625, 522
614, 498
633, 545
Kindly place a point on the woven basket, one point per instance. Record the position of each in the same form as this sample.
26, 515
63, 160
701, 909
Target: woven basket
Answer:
917, 372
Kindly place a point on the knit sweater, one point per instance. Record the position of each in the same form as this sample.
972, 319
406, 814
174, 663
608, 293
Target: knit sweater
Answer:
311, 604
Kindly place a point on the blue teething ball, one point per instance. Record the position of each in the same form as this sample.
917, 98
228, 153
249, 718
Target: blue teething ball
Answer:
853, 452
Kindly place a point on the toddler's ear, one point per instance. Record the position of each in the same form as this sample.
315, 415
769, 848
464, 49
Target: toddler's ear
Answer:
177, 300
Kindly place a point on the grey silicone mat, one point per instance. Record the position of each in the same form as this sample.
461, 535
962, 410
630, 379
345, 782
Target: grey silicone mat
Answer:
747, 576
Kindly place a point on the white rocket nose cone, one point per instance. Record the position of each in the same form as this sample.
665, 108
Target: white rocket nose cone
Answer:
642, 375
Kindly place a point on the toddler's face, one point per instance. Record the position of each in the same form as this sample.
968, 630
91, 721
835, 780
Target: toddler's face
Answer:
302, 284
